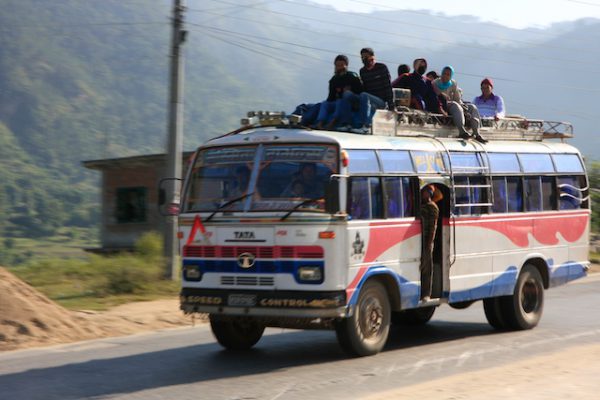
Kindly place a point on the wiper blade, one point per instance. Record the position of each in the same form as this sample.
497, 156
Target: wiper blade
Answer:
230, 202
297, 206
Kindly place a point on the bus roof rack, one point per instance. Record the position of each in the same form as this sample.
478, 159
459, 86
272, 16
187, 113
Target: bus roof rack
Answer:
410, 122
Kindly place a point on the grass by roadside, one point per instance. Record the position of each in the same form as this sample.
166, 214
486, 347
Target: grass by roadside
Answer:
98, 283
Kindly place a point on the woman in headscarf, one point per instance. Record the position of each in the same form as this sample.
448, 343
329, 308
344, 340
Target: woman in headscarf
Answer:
447, 89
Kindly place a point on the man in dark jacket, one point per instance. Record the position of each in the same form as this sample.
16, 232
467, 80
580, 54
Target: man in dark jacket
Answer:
423, 96
377, 88
337, 109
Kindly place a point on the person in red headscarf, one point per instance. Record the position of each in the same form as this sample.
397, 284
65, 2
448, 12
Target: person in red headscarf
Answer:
489, 104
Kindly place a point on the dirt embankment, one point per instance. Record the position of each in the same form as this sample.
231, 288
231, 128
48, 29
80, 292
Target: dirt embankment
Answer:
28, 318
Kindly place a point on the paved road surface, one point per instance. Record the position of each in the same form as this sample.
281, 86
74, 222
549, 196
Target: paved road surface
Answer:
187, 364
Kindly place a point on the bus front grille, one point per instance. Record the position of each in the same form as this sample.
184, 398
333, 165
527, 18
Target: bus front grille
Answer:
242, 280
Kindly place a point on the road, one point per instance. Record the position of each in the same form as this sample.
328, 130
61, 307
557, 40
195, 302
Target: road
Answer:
186, 363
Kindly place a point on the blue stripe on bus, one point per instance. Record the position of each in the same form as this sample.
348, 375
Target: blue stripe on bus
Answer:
502, 285
564, 273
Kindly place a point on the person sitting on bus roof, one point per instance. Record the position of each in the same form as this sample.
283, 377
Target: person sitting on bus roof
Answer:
448, 89
337, 109
421, 90
403, 70
377, 89
432, 75
489, 104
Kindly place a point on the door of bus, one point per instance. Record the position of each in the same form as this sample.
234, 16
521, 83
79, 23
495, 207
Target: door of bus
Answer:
442, 248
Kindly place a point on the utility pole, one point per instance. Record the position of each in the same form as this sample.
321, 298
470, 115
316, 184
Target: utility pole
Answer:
175, 139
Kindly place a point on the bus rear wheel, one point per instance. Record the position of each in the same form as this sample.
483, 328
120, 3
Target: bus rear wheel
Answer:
523, 310
366, 331
236, 333
493, 312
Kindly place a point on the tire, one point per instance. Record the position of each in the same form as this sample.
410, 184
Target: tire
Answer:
366, 331
461, 305
236, 333
523, 310
413, 317
493, 313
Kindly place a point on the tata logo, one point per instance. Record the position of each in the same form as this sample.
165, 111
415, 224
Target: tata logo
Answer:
246, 260
244, 235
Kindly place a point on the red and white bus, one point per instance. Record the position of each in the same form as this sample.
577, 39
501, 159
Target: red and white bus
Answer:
290, 227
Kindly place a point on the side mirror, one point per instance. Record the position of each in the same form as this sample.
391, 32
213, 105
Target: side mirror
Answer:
173, 208
332, 196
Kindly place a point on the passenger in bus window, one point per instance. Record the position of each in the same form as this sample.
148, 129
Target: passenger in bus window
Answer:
489, 104
448, 89
306, 176
403, 70
336, 110
297, 189
429, 217
377, 90
359, 199
514, 190
240, 185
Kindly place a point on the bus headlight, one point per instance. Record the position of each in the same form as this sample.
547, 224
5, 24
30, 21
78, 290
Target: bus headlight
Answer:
312, 274
192, 273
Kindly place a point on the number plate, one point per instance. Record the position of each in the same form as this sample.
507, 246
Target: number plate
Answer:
241, 300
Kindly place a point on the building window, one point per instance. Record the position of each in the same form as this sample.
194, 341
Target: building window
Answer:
131, 205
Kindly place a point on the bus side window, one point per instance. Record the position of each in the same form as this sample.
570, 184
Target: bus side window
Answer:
500, 198
376, 198
365, 198
479, 195
408, 198
514, 191
533, 190
570, 194
548, 193
393, 194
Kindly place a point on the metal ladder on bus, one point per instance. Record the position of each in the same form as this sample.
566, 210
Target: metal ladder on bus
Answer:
483, 170
453, 186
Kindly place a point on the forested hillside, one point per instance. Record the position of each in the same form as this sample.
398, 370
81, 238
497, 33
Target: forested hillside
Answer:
87, 79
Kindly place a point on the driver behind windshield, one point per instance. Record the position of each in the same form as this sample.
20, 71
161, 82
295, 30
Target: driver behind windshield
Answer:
306, 177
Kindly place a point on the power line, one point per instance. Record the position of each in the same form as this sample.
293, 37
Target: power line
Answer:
587, 89
80, 25
428, 27
245, 38
246, 19
536, 32
477, 47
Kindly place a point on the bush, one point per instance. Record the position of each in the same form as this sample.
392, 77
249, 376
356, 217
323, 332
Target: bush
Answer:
150, 245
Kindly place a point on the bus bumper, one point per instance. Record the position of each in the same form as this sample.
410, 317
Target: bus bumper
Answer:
330, 304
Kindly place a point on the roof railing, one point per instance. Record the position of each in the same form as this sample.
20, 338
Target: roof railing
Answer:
406, 121
409, 122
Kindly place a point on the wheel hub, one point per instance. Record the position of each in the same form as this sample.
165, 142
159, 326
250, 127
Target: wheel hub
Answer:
371, 319
530, 296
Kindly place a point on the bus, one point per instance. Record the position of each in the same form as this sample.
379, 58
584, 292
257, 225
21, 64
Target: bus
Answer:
284, 226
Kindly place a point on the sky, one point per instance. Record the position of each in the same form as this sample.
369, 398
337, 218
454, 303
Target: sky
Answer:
517, 14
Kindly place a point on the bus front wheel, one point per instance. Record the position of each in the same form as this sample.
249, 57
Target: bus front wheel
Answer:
523, 310
236, 333
366, 331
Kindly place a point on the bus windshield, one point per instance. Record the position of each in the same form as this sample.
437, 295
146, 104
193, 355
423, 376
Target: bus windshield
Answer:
278, 177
